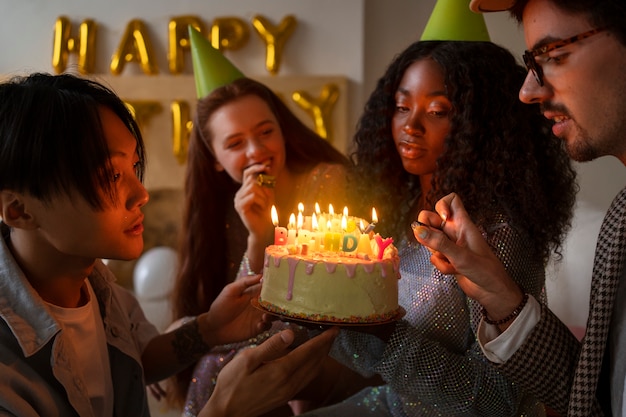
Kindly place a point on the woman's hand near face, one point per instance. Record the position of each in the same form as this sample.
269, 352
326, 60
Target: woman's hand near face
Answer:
253, 203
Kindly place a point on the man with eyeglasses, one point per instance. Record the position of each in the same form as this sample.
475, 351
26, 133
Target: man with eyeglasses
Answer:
577, 72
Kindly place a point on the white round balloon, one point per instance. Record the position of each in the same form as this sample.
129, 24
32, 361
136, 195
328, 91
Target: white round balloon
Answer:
154, 273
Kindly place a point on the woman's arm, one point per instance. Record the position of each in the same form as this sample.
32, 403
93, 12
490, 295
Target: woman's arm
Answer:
231, 318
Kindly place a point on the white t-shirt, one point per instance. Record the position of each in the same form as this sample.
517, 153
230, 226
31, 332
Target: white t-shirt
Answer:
86, 332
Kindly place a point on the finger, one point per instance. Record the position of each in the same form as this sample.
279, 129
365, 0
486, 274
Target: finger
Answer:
251, 171
442, 264
448, 205
156, 391
273, 348
318, 346
248, 282
304, 361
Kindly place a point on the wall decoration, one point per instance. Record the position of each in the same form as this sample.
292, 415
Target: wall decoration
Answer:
320, 109
274, 38
178, 37
229, 33
135, 46
64, 43
181, 129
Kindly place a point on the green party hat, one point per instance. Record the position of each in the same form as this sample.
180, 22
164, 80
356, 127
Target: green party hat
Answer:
452, 20
210, 67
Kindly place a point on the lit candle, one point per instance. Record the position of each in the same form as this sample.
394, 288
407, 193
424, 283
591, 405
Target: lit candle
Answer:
299, 222
280, 233
321, 220
365, 246
332, 240
382, 244
370, 227
334, 224
317, 235
350, 242
291, 230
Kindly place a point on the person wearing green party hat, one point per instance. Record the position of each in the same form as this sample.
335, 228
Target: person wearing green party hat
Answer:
247, 152
452, 20
445, 117
210, 67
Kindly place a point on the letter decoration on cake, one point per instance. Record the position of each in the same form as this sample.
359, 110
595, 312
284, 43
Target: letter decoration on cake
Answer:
333, 269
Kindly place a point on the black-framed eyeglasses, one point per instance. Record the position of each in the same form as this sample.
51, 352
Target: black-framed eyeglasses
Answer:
529, 55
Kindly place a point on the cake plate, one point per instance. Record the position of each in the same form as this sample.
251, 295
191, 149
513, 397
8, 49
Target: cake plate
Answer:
325, 323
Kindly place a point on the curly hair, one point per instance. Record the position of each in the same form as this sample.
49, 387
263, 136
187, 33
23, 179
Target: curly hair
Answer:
499, 154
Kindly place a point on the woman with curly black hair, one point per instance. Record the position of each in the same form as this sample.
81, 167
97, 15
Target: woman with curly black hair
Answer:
445, 118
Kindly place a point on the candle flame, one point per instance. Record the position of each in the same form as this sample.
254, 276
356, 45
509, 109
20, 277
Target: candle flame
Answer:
300, 207
374, 216
317, 209
274, 216
292, 221
345, 211
361, 226
330, 210
314, 222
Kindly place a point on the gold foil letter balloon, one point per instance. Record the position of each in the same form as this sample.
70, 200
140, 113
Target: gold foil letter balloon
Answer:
178, 40
64, 43
321, 109
135, 46
274, 38
181, 129
229, 33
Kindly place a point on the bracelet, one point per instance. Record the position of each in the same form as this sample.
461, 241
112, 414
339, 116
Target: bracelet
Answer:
244, 267
508, 318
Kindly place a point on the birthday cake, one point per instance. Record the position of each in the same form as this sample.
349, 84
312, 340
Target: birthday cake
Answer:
331, 276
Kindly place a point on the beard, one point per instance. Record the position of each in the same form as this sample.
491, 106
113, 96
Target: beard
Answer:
581, 148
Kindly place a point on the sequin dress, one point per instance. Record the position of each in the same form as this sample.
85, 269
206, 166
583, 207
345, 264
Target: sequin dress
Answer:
324, 184
432, 364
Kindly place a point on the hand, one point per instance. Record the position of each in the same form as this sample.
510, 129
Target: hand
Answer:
253, 202
460, 249
157, 391
231, 317
262, 378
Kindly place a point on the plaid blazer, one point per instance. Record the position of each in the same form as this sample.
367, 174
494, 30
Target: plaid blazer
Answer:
562, 372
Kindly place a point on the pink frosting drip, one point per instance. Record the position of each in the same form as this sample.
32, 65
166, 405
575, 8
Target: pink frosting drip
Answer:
331, 267
350, 270
292, 272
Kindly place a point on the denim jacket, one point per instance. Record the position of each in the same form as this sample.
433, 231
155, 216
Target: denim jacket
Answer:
36, 361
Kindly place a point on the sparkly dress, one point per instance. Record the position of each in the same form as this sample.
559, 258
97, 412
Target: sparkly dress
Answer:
432, 364
324, 184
